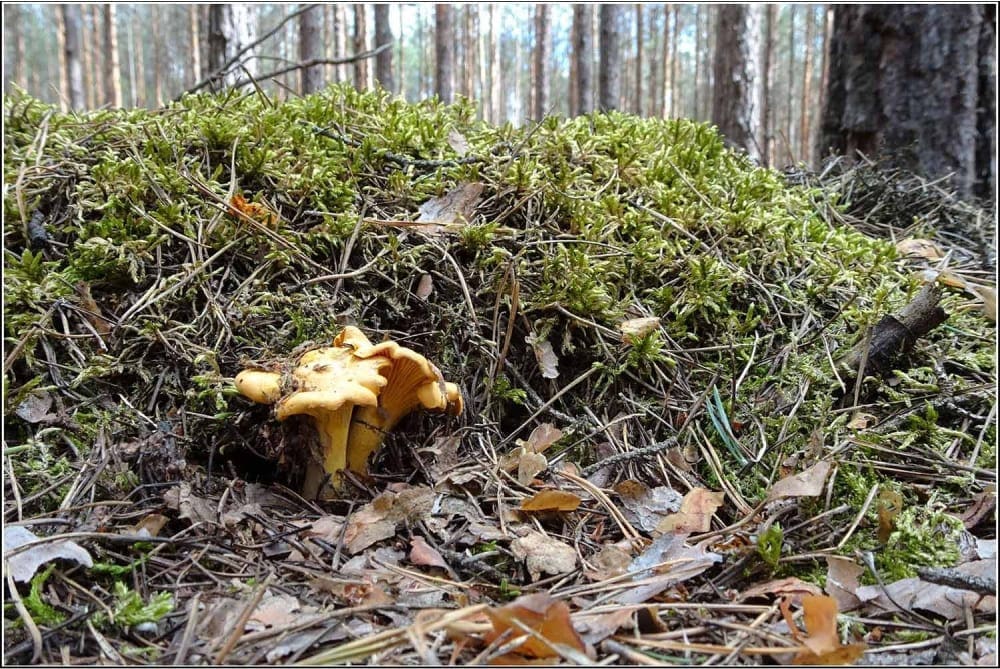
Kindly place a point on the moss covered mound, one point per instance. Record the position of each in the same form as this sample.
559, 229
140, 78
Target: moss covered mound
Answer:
134, 292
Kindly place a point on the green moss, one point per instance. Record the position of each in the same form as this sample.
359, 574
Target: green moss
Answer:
923, 537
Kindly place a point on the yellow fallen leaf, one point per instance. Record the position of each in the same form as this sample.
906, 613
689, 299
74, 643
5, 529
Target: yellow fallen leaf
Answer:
551, 500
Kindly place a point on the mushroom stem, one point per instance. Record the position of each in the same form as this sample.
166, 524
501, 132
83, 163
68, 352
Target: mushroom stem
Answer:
333, 428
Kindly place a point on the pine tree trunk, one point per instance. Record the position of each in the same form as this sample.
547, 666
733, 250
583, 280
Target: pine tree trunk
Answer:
444, 52
675, 66
231, 27
905, 84
767, 97
789, 111
654, 96
583, 57
805, 146
543, 50
697, 59
311, 48
340, 40
668, 68
639, 39
86, 51
986, 129
14, 51
401, 72
496, 90
383, 35
360, 41
112, 83
62, 67
136, 63
824, 82
609, 74
157, 56
468, 52
72, 23
194, 44
736, 95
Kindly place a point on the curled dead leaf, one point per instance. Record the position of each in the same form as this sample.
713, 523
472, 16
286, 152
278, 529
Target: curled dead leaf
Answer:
808, 483
551, 500
695, 515
542, 621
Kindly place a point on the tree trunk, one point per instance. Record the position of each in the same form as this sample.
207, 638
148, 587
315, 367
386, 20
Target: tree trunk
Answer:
311, 48
194, 44
87, 36
736, 95
583, 57
444, 52
789, 115
14, 52
805, 148
340, 39
654, 96
675, 66
483, 61
904, 83
609, 75
767, 76
697, 59
62, 92
72, 43
639, 30
231, 27
157, 56
468, 53
383, 35
824, 80
360, 41
543, 50
112, 84
986, 129
496, 94
136, 63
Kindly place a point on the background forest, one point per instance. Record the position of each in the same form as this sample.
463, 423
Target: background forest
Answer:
515, 58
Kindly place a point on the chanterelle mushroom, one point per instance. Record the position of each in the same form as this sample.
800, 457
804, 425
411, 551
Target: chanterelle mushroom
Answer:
373, 385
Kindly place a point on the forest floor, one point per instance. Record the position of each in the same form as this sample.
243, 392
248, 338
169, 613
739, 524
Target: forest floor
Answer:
713, 414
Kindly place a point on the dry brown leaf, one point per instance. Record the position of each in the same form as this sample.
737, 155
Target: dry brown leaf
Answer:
942, 600
596, 627
551, 500
454, 208
550, 621
422, 554
609, 562
258, 212
982, 503
548, 363
150, 524
793, 588
988, 295
543, 554
190, 506
697, 509
665, 563
366, 526
425, 287
34, 408
919, 248
647, 507
843, 577
540, 439
274, 611
822, 641
860, 420
636, 328
530, 465
808, 483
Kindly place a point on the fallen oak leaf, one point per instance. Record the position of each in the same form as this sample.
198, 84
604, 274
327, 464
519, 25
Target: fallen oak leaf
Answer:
551, 500
695, 515
822, 642
425, 555
544, 621
808, 483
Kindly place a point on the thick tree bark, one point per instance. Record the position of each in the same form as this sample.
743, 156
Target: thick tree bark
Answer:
444, 52
73, 46
543, 50
609, 75
986, 129
383, 35
112, 83
904, 84
583, 57
311, 48
736, 100
231, 27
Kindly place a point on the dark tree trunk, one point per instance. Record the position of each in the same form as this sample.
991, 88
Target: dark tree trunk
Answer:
444, 52
736, 95
496, 86
231, 27
194, 44
311, 48
543, 49
986, 129
609, 76
112, 83
904, 82
72, 28
383, 35
805, 149
14, 52
583, 57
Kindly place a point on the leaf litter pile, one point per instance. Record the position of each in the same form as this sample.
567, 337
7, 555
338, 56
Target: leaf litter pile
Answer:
710, 413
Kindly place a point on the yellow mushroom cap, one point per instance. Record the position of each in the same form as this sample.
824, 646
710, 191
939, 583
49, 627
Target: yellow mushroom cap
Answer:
259, 385
327, 378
